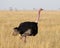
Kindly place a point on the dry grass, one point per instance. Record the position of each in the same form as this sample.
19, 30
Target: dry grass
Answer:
47, 37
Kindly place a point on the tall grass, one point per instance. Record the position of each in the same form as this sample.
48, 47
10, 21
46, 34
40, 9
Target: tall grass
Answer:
48, 29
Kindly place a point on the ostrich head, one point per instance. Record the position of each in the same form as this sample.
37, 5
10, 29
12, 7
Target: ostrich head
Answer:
40, 10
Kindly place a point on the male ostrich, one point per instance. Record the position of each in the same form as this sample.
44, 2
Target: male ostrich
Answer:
28, 28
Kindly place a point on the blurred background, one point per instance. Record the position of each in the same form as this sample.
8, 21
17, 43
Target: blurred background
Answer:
29, 4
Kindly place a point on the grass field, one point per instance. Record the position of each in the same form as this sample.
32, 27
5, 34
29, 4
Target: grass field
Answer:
48, 33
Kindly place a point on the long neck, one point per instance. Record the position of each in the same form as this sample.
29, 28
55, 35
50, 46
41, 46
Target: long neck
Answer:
38, 16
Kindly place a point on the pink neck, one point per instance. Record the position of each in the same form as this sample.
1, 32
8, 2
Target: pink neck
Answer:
38, 16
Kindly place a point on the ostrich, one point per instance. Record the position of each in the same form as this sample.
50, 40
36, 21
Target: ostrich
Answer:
27, 28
